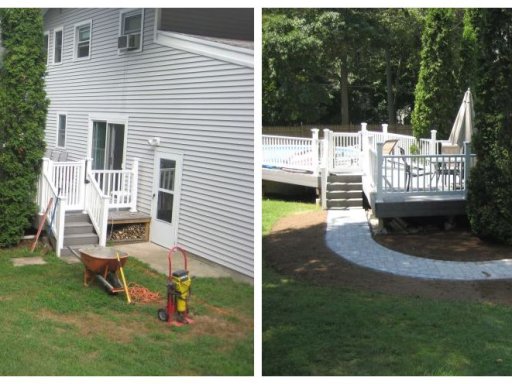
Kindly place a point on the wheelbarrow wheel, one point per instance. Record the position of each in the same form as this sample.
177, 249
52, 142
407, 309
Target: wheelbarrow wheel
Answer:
114, 280
162, 315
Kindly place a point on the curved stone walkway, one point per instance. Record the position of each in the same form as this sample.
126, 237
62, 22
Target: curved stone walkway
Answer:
348, 234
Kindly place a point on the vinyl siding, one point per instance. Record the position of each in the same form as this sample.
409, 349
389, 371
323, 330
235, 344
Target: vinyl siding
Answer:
198, 106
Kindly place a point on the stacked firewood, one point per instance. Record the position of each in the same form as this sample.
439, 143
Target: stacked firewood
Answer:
128, 232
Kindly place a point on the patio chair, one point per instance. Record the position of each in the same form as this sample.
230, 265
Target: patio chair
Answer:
448, 170
388, 148
54, 154
63, 156
410, 170
57, 155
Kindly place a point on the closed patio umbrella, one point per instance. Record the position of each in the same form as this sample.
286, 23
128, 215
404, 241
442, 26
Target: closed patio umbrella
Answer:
463, 127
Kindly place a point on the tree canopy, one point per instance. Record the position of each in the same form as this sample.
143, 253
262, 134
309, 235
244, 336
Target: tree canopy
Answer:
437, 96
347, 65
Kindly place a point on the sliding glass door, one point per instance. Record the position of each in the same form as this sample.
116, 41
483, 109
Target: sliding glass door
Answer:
107, 145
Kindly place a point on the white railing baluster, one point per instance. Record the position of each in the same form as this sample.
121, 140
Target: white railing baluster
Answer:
314, 150
133, 182
289, 152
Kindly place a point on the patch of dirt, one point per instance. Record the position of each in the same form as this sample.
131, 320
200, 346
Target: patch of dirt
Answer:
230, 326
90, 324
296, 247
457, 244
221, 328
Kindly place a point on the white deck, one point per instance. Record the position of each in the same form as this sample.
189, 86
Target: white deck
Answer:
70, 186
402, 182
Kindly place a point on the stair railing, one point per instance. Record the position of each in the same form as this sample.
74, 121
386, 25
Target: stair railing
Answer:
56, 217
97, 205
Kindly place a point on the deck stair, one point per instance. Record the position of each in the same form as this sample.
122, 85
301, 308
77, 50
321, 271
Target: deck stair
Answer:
344, 191
78, 232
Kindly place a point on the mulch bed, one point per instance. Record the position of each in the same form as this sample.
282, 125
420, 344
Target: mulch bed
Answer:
456, 245
296, 247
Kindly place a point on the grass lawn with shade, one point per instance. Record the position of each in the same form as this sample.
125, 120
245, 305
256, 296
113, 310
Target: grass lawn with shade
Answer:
321, 329
273, 210
53, 325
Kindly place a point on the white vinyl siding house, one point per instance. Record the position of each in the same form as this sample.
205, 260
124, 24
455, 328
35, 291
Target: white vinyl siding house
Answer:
199, 107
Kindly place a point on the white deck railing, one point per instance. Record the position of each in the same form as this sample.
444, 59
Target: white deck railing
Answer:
420, 174
68, 177
55, 218
345, 150
97, 205
290, 152
415, 167
120, 186
95, 194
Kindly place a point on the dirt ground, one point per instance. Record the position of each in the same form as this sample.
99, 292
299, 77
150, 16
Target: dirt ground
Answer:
457, 244
296, 247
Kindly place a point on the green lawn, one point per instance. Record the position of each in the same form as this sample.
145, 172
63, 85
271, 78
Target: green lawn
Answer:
52, 325
315, 330
273, 210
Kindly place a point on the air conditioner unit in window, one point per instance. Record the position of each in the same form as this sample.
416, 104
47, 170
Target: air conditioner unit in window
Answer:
122, 42
129, 42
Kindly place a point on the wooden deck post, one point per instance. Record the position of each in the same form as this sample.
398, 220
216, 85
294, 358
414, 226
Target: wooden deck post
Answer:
433, 139
88, 172
467, 167
135, 183
314, 150
385, 131
40, 193
323, 186
328, 152
60, 217
364, 137
82, 182
379, 171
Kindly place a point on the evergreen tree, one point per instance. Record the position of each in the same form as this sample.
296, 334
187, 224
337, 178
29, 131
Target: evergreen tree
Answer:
23, 107
489, 198
437, 97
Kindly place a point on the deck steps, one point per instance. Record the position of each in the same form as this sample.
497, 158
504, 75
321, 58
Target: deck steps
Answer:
344, 191
78, 233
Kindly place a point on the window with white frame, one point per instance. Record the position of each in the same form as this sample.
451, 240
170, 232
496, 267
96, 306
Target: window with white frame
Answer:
46, 46
58, 39
130, 38
83, 34
61, 130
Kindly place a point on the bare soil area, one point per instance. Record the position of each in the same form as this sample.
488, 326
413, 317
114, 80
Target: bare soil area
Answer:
296, 247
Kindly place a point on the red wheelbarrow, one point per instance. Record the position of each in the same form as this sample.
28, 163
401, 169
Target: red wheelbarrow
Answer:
104, 264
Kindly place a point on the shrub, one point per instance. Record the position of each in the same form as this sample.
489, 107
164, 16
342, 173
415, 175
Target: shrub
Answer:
489, 197
23, 107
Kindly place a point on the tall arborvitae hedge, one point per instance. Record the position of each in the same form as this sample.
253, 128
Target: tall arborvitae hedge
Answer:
437, 98
23, 107
490, 188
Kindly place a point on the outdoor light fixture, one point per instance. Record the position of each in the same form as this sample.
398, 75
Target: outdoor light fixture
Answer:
154, 141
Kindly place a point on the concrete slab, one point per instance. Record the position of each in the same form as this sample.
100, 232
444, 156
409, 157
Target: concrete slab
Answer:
156, 257
22, 261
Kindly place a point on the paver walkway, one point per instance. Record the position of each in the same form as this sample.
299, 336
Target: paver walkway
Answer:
348, 235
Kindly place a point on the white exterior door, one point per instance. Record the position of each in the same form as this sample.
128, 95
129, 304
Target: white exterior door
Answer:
166, 197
